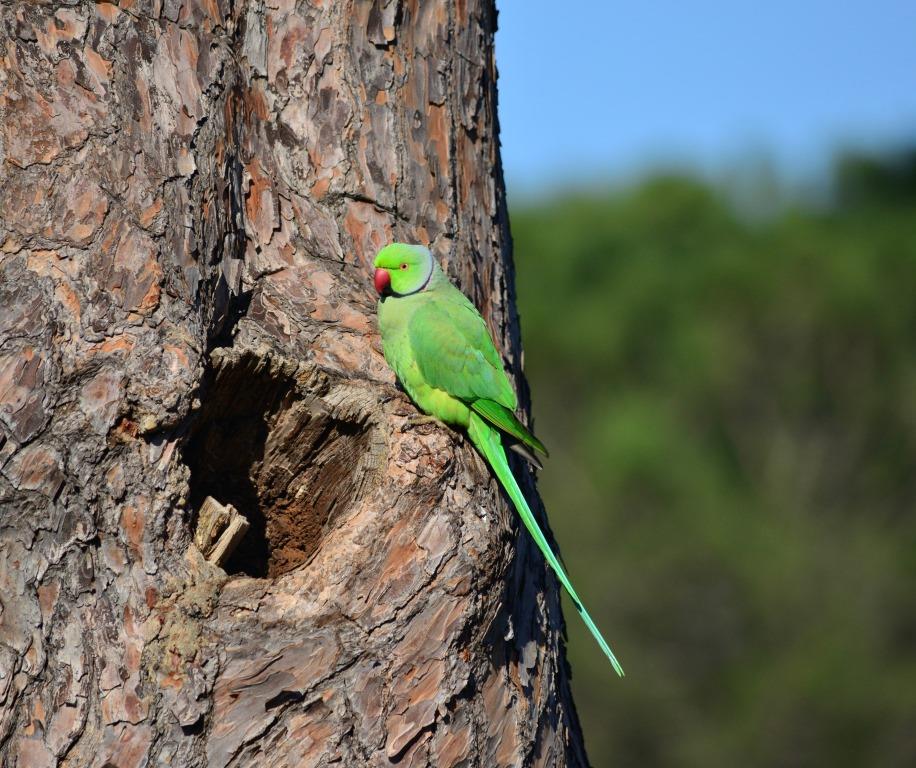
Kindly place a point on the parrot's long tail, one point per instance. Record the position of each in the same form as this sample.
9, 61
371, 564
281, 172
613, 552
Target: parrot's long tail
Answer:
489, 443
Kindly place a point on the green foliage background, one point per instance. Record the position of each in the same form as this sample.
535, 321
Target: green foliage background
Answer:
730, 404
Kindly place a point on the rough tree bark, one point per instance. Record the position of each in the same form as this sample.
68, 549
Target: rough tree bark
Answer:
191, 193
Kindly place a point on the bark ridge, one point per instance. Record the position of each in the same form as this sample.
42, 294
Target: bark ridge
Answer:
191, 195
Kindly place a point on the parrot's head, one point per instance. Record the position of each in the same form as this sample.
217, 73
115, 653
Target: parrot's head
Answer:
402, 269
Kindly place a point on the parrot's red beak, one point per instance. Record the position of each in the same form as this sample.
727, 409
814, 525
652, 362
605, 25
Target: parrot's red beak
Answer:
382, 280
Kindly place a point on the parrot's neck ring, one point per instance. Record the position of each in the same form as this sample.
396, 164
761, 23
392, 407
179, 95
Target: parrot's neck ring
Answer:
429, 276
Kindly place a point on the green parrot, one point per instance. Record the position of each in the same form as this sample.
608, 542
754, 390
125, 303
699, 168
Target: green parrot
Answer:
439, 347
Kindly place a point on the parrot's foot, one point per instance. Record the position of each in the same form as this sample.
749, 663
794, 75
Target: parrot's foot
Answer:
419, 421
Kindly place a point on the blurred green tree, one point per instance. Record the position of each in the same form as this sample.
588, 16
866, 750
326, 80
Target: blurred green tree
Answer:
731, 410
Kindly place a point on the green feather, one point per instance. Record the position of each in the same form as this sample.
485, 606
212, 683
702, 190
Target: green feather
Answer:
501, 417
454, 351
489, 444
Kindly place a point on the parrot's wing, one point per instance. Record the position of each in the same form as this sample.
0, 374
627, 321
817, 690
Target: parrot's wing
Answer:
504, 419
454, 352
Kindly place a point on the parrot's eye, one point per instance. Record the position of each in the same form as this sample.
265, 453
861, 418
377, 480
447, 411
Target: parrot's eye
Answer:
404, 266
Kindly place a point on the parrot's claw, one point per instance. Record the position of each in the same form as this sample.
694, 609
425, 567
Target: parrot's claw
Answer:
419, 421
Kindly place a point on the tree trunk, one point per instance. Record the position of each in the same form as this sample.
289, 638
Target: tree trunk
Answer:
192, 192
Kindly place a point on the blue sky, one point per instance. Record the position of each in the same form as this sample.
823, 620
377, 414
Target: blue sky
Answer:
592, 90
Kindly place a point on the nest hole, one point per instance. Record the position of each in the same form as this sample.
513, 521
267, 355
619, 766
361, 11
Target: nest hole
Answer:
278, 457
